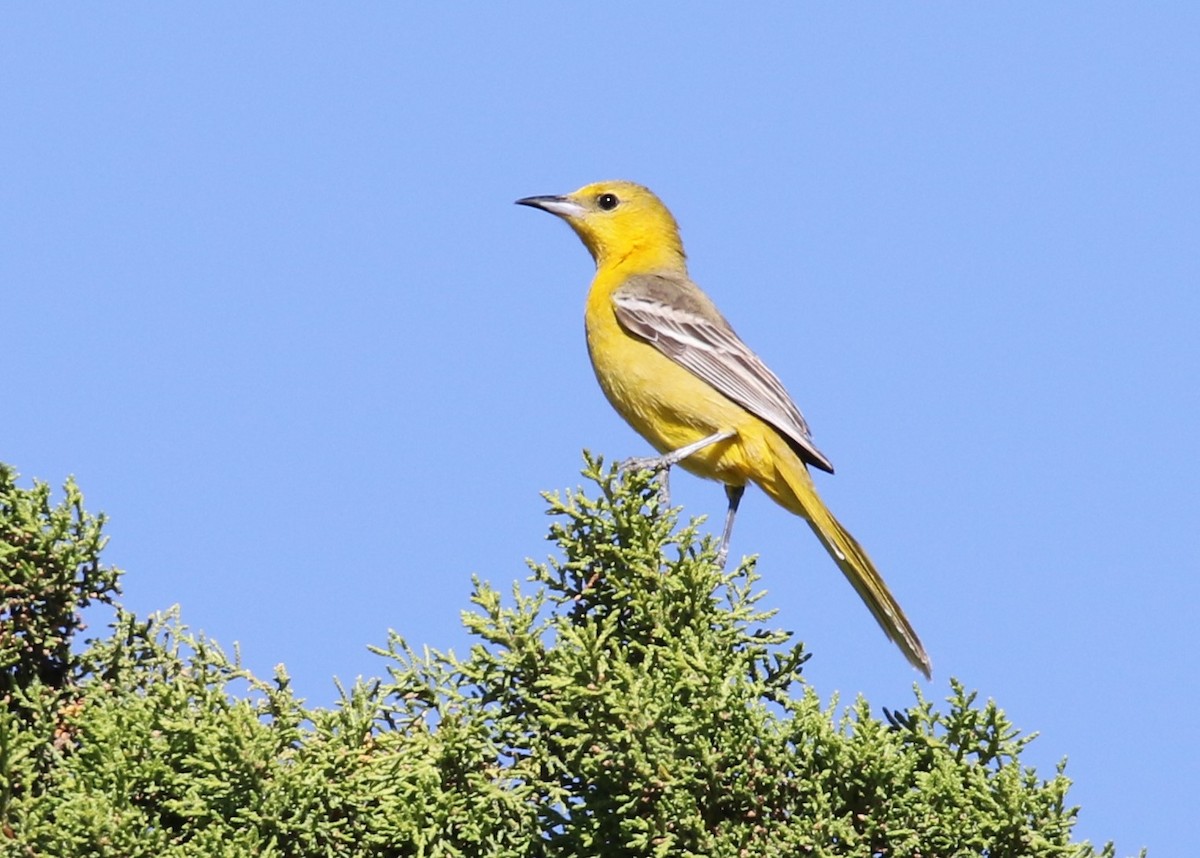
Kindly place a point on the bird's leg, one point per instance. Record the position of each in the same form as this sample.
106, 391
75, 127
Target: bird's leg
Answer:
657, 463
662, 464
734, 493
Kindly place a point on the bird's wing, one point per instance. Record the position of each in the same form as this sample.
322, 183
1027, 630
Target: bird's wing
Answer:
673, 315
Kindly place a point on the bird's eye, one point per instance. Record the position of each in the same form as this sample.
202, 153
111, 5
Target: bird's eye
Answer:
608, 202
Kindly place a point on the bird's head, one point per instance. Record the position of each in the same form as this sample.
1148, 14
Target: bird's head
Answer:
618, 221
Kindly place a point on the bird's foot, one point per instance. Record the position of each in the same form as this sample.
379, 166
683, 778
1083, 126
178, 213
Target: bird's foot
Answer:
660, 466
654, 464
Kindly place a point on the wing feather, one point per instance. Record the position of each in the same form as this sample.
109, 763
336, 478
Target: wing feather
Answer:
672, 314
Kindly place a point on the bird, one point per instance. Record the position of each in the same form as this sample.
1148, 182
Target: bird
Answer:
672, 366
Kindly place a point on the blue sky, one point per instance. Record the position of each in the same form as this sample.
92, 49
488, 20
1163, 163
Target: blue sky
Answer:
265, 293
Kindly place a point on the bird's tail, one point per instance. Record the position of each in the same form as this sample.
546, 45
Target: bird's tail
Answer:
793, 489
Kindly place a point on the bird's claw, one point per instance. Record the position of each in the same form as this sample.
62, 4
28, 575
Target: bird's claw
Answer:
653, 464
657, 465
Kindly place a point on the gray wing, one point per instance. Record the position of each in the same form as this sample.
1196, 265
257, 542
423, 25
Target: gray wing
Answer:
673, 315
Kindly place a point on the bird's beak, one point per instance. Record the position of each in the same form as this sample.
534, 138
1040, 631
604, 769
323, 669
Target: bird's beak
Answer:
564, 207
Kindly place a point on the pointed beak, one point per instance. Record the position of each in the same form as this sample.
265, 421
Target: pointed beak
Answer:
564, 207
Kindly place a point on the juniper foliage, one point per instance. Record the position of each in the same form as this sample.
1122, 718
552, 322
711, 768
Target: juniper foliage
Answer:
631, 700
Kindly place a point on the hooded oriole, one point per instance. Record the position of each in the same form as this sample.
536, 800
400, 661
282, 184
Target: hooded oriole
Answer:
672, 366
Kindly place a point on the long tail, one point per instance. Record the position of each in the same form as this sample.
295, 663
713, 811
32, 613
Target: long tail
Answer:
793, 489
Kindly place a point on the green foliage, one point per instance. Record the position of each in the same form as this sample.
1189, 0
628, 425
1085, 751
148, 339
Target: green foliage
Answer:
49, 570
633, 702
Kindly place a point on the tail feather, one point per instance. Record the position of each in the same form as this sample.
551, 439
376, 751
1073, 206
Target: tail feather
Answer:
794, 490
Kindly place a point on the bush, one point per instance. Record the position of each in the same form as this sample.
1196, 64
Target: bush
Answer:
633, 702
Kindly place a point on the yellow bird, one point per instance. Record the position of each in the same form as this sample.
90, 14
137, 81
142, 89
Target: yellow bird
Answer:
675, 370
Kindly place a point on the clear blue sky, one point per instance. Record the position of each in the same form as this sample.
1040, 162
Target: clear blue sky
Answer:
264, 292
